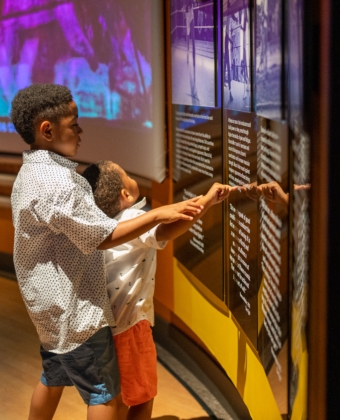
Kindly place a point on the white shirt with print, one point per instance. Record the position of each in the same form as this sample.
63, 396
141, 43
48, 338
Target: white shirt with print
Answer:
60, 272
130, 270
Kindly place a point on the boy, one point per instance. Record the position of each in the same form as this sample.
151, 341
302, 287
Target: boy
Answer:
130, 282
59, 232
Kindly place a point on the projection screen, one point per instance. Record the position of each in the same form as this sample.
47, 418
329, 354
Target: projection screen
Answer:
110, 53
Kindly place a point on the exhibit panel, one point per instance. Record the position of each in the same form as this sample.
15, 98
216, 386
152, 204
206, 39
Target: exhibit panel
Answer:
240, 130
265, 220
197, 134
269, 58
237, 59
300, 211
273, 237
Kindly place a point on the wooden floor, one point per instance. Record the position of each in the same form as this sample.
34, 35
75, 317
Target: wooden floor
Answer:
20, 369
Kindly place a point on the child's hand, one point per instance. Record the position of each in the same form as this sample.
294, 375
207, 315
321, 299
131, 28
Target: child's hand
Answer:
218, 193
274, 193
184, 210
249, 190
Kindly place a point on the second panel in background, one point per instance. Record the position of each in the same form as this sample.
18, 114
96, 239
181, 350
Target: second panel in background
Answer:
237, 72
193, 52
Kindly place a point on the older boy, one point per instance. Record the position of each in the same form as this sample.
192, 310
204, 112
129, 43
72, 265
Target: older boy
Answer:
59, 232
130, 282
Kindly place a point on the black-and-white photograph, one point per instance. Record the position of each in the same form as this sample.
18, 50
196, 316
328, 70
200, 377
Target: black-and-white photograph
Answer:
269, 58
295, 63
236, 58
193, 52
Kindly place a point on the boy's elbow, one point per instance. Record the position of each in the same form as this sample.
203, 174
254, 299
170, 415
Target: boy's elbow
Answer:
162, 234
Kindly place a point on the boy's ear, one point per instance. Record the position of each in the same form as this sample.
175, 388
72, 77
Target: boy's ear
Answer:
45, 129
125, 195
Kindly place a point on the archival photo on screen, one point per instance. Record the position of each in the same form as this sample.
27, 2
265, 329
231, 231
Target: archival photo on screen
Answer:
107, 54
236, 55
193, 52
268, 58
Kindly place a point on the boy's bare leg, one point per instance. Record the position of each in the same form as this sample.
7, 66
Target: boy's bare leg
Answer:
106, 411
122, 409
44, 402
140, 411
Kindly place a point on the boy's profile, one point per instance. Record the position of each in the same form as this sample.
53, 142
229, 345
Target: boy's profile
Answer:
130, 282
59, 232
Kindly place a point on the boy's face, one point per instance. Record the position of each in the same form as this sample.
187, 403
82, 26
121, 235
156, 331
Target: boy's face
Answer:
66, 135
129, 184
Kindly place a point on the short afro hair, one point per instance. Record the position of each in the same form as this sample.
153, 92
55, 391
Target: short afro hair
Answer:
106, 182
39, 102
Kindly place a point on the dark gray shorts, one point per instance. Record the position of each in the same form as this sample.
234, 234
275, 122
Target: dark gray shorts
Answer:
92, 368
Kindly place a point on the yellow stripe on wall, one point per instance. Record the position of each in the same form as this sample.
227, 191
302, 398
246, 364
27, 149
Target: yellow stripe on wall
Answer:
224, 340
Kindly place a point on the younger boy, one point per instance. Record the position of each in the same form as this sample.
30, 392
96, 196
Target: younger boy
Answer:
59, 231
130, 282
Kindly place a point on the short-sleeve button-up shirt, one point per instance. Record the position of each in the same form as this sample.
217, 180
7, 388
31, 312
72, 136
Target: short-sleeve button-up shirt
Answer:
130, 269
60, 272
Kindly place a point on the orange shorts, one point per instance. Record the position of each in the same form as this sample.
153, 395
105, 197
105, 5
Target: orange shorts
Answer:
137, 362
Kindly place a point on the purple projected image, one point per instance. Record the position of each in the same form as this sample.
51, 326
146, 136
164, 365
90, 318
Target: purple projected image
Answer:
236, 59
268, 59
90, 46
193, 52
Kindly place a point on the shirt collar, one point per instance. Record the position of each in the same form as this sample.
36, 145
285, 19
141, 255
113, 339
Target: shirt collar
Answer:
45, 156
140, 204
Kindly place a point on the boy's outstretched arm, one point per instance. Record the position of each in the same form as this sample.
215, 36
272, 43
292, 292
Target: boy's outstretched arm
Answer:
131, 229
216, 194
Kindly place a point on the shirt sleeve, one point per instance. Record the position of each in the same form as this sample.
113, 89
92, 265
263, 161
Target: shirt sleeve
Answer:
148, 239
79, 218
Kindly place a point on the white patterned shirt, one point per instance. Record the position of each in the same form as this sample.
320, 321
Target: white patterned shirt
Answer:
130, 270
60, 272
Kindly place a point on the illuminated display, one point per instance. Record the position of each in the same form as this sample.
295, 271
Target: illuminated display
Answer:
103, 51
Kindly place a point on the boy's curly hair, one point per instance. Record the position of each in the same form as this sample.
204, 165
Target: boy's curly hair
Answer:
39, 102
106, 183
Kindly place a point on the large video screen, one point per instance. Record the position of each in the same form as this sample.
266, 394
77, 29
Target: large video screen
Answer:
110, 54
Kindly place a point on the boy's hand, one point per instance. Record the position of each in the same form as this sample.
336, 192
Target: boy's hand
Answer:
218, 193
273, 192
184, 210
250, 190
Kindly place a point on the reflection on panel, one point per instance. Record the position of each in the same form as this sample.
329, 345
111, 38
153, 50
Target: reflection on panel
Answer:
273, 254
241, 249
300, 215
197, 134
265, 156
197, 164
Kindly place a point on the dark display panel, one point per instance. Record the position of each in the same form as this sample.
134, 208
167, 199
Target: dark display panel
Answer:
197, 164
193, 52
237, 71
265, 154
197, 133
301, 191
241, 217
273, 208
